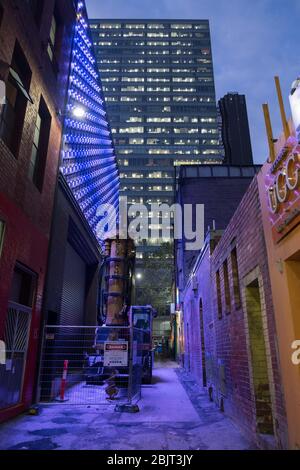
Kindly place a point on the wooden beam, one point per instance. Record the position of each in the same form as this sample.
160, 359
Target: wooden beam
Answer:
285, 125
269, 131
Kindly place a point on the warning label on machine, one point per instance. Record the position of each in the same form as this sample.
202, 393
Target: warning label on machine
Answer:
116, 353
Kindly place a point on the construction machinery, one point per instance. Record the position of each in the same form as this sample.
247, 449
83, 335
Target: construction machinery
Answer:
121, 319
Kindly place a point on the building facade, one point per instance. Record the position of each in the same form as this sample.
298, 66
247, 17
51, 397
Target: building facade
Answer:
159, 87
229, 326
88, 177
219, 189
35, 74
158, 83
235, 130
279, 197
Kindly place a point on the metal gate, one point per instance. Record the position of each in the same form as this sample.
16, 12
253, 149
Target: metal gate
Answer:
16, 335
91, 365
73, 293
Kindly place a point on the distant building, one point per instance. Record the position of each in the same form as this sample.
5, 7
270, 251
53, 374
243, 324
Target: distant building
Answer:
235, 130
220, 189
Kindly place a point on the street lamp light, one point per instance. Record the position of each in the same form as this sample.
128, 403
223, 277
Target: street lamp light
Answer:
79, 112
139, 276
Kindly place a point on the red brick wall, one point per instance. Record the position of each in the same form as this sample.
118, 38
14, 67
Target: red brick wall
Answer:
26, 211
226, 338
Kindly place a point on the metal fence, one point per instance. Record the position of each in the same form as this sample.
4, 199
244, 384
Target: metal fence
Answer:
91, 365
17, 326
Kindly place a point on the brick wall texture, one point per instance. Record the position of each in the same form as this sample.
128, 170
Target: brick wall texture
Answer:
26, 211
241, 360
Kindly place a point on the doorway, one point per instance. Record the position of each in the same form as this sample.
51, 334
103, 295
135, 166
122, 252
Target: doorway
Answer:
16, 336
293, 280
260, 373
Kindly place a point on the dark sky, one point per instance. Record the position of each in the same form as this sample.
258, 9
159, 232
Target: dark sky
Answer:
252, 41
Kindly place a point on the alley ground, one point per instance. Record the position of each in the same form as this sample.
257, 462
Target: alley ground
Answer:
173, 415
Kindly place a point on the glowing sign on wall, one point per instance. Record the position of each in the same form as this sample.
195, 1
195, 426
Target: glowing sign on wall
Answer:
283, 190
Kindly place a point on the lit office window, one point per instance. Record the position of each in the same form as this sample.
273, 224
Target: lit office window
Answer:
133, 34
133, 88
136, 141
157, 35
135, 61
127, 98
200, 26
158, 119
181, 26
158, 70
157, 43
111, 79
135, 26
134, 119
184, 90
131, 130
181, 119
208, 120
160, 52
184, 79
156, 174
155, 26
209, 131
158, 151
132, 79
158, 88
110, 26
158, 80
158, 130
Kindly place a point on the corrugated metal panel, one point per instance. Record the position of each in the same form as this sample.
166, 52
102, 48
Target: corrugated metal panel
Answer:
73, 295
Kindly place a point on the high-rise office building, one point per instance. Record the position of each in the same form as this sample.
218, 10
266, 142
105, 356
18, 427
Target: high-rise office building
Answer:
235, 130
158, 83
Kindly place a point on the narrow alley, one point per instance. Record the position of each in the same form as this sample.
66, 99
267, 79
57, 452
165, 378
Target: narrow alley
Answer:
174, 415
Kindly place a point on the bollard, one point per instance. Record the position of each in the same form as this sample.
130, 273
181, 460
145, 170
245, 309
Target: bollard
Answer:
63, 382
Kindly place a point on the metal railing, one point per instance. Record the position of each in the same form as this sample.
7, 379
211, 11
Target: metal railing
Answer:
91, 365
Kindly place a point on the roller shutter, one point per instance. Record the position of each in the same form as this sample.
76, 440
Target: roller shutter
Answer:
73, 294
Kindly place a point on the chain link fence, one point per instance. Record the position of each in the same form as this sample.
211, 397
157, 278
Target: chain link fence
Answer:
91, 365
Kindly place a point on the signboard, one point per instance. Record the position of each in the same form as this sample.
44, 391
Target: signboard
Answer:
116, 354
283, 185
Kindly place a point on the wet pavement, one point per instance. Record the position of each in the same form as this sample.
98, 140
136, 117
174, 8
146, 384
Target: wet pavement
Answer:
174, 415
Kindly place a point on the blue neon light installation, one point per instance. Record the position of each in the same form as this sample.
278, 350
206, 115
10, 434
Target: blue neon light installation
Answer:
88, 157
